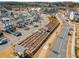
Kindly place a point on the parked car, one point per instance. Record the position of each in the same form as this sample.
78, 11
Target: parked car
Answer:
2, 39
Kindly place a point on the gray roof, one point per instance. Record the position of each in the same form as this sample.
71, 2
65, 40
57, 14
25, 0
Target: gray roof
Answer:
76, 16
19, 48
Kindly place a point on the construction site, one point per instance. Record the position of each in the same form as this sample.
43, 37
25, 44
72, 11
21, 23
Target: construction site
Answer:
30, 31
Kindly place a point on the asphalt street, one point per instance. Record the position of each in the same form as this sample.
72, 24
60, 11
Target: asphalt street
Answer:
59, 49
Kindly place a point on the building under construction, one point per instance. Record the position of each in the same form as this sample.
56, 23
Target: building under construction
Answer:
25, 30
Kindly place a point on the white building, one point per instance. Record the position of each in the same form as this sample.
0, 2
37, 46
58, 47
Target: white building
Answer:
71, 16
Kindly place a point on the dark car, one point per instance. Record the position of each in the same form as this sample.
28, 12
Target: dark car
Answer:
17, 34
1, 34
35, 25
67, 20
3, 41
56, 52
69, 33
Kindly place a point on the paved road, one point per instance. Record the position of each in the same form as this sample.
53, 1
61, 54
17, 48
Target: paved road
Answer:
59, 49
